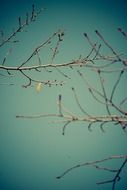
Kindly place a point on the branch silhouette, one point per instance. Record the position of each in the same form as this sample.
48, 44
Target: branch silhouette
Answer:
96, 163
96, 62
21, 25
66, 117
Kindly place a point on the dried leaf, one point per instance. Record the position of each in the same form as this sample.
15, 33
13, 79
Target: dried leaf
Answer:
38, 87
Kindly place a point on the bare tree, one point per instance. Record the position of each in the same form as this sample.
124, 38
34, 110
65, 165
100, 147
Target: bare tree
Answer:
97, 63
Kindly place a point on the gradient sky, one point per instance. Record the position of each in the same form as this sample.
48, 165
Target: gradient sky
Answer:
34, 152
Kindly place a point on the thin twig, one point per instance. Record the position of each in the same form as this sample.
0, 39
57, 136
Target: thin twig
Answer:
122, 32
92, 45
93, 163
104, 93
107, 44
37, 49
79, 105
21, 27
116, 84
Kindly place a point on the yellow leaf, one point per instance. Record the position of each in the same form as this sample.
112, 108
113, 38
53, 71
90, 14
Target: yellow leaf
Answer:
38, 86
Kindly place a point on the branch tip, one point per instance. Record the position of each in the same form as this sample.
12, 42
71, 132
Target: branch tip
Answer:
60, 97
58, 177
119, 29
85, 34
96, 31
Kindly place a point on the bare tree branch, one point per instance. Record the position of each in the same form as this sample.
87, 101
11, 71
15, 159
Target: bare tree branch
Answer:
94, 164
95, 62
21, 26
122, 32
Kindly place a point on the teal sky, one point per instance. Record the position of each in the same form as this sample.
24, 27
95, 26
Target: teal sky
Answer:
33, 152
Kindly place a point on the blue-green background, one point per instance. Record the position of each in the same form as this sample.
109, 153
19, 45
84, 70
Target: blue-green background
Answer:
33, 152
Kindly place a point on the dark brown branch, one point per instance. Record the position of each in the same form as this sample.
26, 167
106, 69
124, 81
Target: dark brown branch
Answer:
116, 84
92, 45
29, 79
109, 46
90, 125
21, 27
104, 93
64, 127
94, 96
56, 49
48, 82
92, 89
37, 49
122, 32
33, 13
109, 103
93, 164
101, 126
97, 52
39, 59
27, 18
72, 64
62, 73
104, 182
79, 105
59, 105
123, 101
20, 24
117, 177
69, 117
5, 58
90, 53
